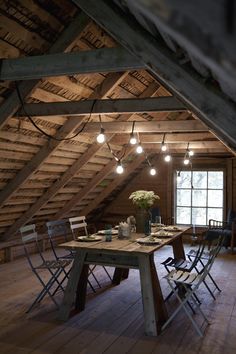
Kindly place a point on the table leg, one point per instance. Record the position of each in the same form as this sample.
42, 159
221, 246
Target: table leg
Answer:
178, 248
71, 288
155, 313
119, 274
82, 289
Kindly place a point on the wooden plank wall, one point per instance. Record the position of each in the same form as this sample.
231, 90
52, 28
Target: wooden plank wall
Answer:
163, 185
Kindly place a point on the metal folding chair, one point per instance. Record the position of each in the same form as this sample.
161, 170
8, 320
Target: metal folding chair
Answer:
190, 282
197, 260
62, 228
55, 268
79, 223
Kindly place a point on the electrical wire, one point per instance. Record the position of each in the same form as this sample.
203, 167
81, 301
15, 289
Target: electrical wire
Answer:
41, 130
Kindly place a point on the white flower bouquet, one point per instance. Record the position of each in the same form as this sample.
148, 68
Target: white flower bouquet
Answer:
143, 199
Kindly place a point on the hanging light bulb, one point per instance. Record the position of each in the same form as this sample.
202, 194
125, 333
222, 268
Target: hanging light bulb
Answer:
178, 177
163, 146
132, 139
191, 152
153, 171
101, 136
186, 161
139, 149
167, 158
119, 168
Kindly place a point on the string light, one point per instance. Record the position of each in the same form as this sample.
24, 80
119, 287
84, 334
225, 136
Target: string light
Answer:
139, 149
152, 171
163, 145
132, 139
186, 161
101, 136
167, 158
119, 168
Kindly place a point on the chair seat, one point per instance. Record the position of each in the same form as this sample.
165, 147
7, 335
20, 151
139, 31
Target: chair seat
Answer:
54, 264
180, 276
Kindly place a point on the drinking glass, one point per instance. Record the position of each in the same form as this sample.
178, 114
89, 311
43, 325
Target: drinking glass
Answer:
158, 219
108, 233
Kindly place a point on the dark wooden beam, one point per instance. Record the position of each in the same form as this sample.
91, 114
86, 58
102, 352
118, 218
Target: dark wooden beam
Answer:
9, 107
92, 61
164, 126
215, 111
107, 106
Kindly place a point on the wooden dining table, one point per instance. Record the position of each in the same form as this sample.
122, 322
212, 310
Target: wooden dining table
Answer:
123, 254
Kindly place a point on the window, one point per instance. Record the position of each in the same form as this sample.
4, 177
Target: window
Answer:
199, 197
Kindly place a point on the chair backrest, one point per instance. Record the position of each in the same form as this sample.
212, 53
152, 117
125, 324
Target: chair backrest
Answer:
29, 235
57, 228
77, 223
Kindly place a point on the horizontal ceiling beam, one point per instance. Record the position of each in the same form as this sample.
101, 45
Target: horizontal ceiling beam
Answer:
215, 111
170, 138
107, 106
147, 127
92, 61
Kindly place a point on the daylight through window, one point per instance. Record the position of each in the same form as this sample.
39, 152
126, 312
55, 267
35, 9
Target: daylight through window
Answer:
199, 197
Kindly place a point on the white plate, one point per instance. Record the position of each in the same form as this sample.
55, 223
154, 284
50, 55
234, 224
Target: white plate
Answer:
103, 232
162, 234
172, 228
92, 238
147, 241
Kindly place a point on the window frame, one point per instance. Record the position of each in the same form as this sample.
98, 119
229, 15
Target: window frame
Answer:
191, 189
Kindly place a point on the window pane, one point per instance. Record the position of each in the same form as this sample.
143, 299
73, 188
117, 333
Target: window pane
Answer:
199, 198
199, 179
216, 214
215, 179
199, 216
185, 180
215, 198
183, 215
183, 197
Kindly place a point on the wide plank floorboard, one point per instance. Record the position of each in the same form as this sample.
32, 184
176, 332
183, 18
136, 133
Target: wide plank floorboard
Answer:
112, 322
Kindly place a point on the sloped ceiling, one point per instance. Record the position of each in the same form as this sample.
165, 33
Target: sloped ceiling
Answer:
42, 178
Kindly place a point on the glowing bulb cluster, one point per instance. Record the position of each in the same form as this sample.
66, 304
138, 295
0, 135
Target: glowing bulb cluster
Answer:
163, 147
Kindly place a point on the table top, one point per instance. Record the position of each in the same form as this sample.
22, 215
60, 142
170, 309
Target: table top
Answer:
123, 245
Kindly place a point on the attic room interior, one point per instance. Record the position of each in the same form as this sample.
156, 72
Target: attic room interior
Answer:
117, 176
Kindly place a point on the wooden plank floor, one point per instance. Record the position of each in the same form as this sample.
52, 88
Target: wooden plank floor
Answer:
113, 319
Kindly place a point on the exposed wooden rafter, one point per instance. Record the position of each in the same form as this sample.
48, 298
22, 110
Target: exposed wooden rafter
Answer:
150, 91
108, 106
84, 62
213, 110
64, 132
9, 107
108, 190
148, 127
